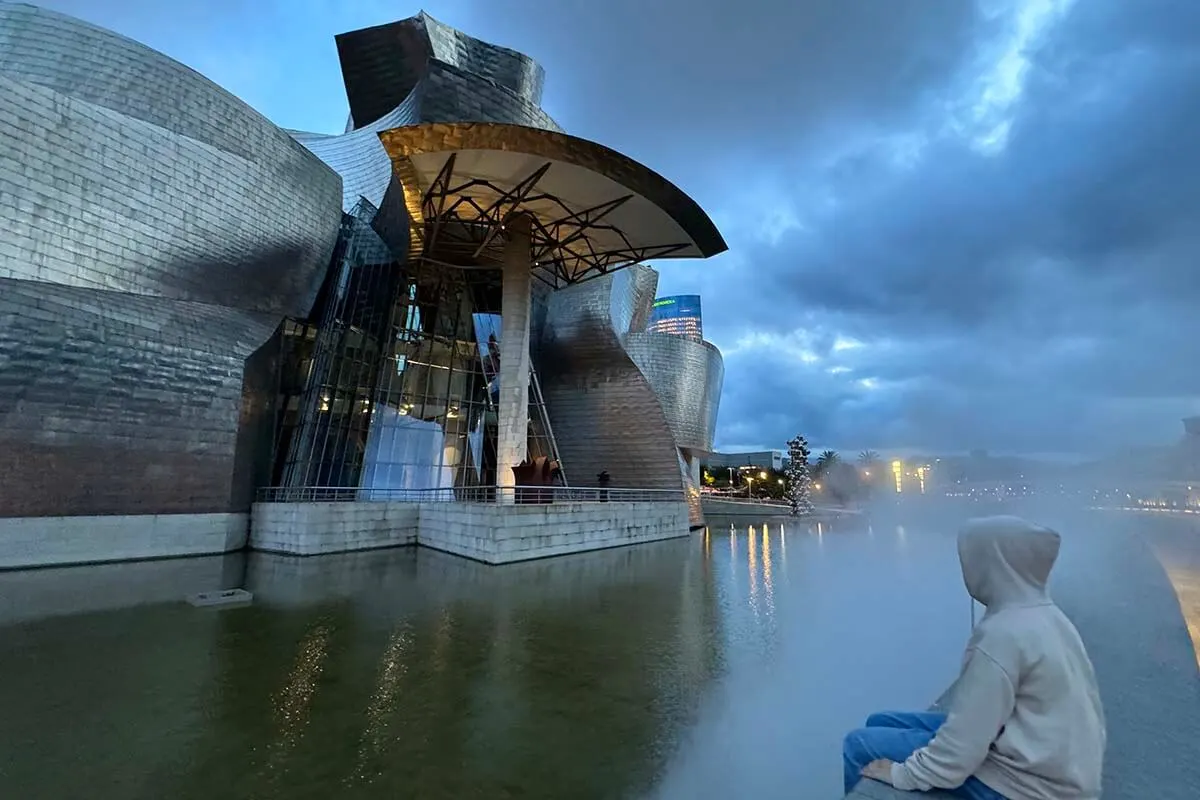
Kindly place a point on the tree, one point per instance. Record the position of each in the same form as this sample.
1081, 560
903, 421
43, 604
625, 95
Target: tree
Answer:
825, 462
799, 481
871, 465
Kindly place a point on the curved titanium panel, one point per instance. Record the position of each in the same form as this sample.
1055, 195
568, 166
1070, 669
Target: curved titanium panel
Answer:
604, 413
382, 65
117, 403
125, 170
156, 229
686, 377
514, 71
632, 311
358, 155
414, 71
600, 368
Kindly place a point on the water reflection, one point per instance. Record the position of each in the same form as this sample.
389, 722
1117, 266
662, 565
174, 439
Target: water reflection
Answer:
1176, 544
391, 673
684, 669
767, 582
292, 705
752, 564
382, 705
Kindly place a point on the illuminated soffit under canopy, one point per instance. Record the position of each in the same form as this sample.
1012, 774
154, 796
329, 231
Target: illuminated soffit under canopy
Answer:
592, 209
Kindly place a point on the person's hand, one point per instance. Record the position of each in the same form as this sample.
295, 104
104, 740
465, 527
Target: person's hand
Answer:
879, 770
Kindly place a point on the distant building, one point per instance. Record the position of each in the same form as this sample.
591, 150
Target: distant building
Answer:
679, 315
759, 459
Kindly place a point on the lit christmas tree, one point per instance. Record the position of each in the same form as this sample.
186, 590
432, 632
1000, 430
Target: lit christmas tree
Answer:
799, 481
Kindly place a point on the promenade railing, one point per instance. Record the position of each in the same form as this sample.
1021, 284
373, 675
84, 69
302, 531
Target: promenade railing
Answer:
469, 494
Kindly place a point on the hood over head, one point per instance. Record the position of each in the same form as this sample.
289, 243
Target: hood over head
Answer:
1007, 560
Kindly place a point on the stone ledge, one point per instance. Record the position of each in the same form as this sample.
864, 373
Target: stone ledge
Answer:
868, 789
493, 534
58, 541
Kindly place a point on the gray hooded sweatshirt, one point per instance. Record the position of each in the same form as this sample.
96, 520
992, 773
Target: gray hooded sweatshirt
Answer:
1025, 715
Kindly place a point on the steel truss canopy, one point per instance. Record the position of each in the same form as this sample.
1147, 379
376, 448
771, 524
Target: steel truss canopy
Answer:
591, 209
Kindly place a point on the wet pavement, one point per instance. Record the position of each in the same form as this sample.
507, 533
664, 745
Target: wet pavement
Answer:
724, 665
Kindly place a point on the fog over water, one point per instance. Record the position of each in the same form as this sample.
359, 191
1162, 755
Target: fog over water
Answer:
727, 664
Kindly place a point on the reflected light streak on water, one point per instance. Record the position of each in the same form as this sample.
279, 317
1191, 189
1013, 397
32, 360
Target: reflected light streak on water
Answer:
1187, 587
768, 585
783, 552
752, 567
382, 704
293, 702
1175, 549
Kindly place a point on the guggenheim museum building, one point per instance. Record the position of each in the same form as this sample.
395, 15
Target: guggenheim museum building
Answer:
200, 310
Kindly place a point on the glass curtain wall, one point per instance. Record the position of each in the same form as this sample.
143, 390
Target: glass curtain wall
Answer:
398, 376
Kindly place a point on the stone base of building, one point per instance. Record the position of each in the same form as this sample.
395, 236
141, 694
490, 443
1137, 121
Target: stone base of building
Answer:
49, 541
493, 534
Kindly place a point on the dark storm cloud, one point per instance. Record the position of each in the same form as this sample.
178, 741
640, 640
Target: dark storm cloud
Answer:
1040, 299
701, 87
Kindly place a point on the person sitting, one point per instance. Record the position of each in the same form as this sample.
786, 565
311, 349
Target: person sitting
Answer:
1025, 720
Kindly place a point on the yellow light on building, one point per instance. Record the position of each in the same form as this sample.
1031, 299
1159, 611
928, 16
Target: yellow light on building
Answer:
898, 474
921, 477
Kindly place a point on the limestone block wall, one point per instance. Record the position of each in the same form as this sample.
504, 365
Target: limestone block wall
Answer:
313, 528
489, 533
43, 541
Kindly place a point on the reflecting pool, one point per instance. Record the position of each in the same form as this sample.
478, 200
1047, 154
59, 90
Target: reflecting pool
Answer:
723, 665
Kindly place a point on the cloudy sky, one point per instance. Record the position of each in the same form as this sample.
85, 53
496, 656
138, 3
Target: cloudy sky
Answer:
953, 224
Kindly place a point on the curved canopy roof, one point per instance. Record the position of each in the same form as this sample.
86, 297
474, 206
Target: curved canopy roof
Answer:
593, 210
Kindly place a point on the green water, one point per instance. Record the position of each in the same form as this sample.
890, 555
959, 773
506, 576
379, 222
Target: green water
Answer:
724, 665
397, 674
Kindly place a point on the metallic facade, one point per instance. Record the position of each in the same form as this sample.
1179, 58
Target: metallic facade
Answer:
404, 402
686, 377
195, 303
156, 231
414, 71
605, 414
641, 405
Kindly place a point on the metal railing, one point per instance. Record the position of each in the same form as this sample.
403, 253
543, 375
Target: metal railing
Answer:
469, 494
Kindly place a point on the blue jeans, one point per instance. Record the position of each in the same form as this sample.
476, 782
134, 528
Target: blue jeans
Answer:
896, 736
